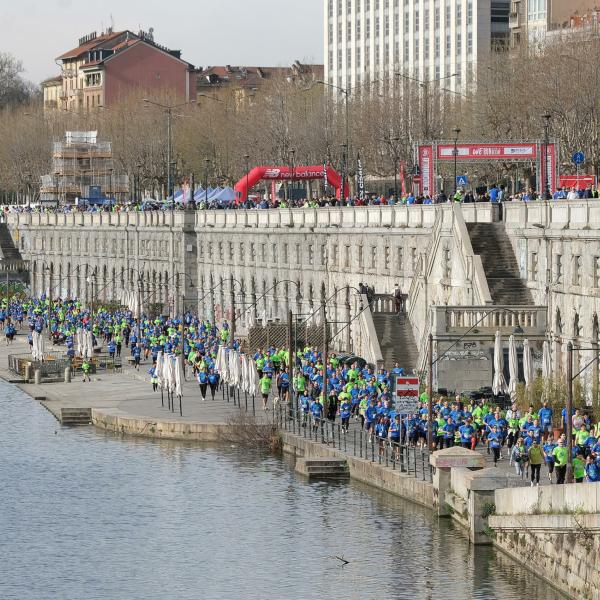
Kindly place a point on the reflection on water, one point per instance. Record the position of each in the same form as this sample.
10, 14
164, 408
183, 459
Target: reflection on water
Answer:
92, 515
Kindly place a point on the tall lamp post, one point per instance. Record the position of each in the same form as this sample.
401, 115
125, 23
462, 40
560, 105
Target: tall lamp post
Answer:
168, 109
206, 165
455, 152
546, 190
346, 92
424, 85
247, 159
292, 159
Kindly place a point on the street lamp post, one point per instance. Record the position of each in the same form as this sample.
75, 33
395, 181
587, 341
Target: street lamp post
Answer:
424, 84
455, 152
292, 158
344, 174
546, 190
247, 159
206, 164
168, 108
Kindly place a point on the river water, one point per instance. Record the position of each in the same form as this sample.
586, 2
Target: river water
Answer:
89, 515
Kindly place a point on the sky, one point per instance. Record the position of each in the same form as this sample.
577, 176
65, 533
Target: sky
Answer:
209, 32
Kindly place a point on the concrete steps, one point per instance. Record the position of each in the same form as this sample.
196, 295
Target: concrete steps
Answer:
396, 341
490, 242
323, 468
8, 250
75, 416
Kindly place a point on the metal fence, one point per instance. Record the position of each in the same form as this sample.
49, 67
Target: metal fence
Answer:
354, 440
51, 367
358, 443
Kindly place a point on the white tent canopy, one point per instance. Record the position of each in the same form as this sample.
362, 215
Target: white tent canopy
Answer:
499, 383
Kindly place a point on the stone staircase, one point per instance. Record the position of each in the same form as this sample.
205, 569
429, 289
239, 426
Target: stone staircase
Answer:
323, 468
490, 242
75, 416
8, 250
396, 341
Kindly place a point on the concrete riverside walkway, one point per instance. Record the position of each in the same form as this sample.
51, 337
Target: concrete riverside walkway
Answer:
129, 396
126, 395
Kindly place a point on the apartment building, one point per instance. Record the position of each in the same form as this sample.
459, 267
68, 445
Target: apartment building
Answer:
370, 40
106, 68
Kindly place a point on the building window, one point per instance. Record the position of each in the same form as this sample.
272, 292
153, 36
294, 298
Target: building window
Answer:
373, 256
311, 257
413, 259
242, 256
596, 271
558, 268
577, 264
386, 257
323, 254
347, 257
536, 10
534, 266
285, 254
447, 264
360, 256
400, 259
274, 253
263, 253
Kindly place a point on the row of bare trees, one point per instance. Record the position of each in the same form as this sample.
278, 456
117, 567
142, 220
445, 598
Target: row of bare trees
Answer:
287, 123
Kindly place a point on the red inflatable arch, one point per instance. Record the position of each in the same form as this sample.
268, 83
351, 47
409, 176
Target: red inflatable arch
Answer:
284, 173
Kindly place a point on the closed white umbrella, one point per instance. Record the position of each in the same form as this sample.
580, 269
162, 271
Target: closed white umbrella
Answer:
79, 339
499, 383
224, 373
34, 345
178, 367
41, 347
158, 369
546, 361
88, 347
244, 374
527, 363
233, 368
252, 377
513, 367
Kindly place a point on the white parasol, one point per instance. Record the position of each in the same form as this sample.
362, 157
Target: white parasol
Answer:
499, 384
178, 367
159, 369
546, 361
244, 372
513, 367
252, 377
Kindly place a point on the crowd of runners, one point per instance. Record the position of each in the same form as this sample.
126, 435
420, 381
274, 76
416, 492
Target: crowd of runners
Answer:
357, 394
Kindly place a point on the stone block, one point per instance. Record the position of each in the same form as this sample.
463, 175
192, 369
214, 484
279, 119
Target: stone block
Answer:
457, 457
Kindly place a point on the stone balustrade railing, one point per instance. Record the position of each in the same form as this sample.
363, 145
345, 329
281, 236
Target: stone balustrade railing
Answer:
390, 217
559, 214
487, 320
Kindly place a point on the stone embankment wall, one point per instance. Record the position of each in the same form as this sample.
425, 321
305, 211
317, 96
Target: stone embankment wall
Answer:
555, 532
379, 476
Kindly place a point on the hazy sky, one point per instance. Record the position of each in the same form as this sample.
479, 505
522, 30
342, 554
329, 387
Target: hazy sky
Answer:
209, 32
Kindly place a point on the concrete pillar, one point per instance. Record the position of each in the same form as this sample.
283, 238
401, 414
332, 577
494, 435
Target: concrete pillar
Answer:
37, 377
444, 461
28, 368
68, 375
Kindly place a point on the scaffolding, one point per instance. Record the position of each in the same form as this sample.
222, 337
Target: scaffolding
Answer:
83, 168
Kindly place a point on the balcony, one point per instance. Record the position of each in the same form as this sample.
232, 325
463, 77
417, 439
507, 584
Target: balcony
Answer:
514, 20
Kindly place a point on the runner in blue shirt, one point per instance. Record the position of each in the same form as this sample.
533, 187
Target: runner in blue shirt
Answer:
548, 449
466, 433
495, 441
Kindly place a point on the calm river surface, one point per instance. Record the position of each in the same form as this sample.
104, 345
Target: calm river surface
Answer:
85, 515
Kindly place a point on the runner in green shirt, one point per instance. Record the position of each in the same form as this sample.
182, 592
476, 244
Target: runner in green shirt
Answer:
560, 454
579, 468
265, 387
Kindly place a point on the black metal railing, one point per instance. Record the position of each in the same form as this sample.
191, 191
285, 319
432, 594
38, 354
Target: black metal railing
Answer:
357, 442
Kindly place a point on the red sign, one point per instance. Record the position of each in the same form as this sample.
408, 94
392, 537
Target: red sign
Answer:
407, 387
578, 181
548, 166
487, 151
